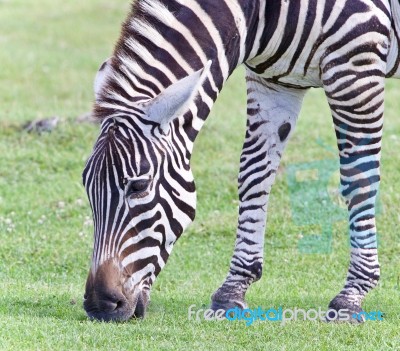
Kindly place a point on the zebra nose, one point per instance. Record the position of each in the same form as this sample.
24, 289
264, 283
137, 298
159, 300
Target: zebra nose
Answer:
106, 305
113, 302
105, 298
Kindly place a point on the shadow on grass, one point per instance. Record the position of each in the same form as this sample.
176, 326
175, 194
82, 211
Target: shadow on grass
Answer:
42, 307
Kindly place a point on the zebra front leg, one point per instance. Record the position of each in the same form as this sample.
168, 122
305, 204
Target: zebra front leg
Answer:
272, 114
357, 109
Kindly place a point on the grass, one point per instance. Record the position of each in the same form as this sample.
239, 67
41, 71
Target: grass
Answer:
49, 52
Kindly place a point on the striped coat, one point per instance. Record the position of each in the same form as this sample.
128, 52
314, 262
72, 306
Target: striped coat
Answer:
154, 94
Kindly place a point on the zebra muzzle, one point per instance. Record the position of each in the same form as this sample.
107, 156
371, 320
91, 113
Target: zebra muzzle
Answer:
106, 299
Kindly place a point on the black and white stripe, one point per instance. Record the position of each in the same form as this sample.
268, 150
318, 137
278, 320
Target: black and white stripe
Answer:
154, 94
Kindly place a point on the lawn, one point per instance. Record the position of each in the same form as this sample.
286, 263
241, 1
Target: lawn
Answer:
49, 53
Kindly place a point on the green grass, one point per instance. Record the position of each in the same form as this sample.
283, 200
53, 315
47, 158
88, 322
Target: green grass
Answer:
49, 53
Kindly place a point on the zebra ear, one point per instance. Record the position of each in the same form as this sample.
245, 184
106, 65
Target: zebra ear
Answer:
101, 77
175, 100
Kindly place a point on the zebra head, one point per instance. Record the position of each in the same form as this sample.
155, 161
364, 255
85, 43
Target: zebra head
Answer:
142, 194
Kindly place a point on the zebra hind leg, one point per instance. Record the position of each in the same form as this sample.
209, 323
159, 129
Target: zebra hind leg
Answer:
272, 115
357, 110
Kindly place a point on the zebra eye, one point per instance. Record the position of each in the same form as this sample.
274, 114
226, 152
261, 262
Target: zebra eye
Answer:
136, 187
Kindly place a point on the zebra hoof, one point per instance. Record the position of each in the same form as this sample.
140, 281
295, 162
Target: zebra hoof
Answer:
342, 309
223, 300
227, 305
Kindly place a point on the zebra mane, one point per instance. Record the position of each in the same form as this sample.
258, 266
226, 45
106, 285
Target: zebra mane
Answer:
129, 82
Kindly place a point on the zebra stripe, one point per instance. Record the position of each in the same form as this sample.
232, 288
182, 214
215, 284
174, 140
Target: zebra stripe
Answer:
154, 94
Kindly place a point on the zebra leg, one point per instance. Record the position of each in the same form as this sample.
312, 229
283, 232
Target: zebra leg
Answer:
357, 108
272, 114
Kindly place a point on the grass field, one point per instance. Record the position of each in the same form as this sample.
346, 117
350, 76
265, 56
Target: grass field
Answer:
49, 52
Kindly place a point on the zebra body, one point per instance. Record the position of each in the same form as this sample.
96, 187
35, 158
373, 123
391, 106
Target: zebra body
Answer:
154, 94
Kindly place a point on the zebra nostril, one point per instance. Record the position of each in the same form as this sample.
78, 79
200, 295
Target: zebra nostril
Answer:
112, 303
120, 304
110, 306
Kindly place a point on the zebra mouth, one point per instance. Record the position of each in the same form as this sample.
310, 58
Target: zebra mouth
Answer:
116, 308
141, 305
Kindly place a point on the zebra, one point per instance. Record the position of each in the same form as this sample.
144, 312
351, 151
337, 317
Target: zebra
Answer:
154, 94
